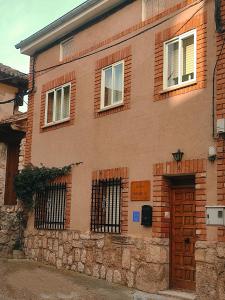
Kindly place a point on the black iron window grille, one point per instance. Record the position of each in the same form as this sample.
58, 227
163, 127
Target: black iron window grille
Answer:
50, 207
106, 205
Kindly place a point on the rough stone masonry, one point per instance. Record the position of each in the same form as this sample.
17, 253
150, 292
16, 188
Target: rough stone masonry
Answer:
134, 262
9, 225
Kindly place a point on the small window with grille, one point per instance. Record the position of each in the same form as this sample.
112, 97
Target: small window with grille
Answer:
58, 105
180, 60
50, 207
106, 205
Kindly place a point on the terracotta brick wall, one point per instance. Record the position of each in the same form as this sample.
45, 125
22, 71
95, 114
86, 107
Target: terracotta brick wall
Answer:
220, 113
123, 54
30, 114
118, 173
161, 199
66, 78
126, 53
136, 27
199, 23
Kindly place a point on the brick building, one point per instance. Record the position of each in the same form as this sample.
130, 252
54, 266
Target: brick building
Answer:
123, 91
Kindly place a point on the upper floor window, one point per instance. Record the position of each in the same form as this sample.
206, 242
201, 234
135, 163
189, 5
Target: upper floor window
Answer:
66, 48
58, 104
112, 85
180, 60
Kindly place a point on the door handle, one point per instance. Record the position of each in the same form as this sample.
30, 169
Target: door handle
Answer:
187, 241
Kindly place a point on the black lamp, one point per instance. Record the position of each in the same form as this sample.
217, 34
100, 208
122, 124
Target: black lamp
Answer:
178, 155
221, 135
212, 154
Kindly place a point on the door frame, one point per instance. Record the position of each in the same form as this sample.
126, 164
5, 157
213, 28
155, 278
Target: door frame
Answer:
171, 189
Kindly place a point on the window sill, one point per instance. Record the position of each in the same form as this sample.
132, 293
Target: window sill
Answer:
110, 107
56, 123
177, 87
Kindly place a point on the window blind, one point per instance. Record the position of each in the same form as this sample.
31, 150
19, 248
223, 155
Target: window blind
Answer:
188, 56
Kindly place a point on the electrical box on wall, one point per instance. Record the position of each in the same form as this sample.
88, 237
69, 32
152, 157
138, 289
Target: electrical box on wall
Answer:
215, 215
146, 215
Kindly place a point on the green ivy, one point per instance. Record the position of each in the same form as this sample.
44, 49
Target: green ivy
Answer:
34, 179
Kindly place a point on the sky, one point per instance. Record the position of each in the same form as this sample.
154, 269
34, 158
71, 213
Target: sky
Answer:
21, 18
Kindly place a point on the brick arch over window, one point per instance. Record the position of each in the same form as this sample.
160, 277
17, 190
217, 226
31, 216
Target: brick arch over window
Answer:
161, 199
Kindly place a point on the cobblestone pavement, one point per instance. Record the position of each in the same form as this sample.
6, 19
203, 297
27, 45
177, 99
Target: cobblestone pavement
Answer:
25, 280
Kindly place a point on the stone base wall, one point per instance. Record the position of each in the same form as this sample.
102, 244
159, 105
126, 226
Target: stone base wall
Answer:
9, 229
134, 262
210, 270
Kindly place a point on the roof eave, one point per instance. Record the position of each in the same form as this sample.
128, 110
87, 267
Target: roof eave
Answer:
67, 23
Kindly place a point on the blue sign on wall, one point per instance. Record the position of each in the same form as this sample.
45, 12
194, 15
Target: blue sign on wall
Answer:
136, 216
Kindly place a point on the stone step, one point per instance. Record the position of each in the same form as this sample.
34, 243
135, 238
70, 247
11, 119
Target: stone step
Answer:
147, 296
164, 295
174, 294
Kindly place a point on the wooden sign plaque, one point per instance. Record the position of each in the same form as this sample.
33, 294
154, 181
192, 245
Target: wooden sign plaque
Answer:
140, 190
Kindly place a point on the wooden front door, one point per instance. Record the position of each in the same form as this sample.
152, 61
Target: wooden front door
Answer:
183, 237
11, 171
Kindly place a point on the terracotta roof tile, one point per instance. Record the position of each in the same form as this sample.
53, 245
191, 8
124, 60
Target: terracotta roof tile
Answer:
6, 71
14, 118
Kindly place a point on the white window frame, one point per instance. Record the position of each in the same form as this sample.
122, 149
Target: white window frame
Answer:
54, 105
165, 61
61, 58
102, 106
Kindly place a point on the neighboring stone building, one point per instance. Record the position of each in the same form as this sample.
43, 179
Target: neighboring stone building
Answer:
13, 84
123, 91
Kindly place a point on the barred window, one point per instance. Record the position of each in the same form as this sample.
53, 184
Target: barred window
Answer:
106, 205
50, 207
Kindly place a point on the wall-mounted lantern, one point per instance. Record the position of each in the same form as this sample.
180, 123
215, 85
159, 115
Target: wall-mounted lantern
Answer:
212, 154
178, 155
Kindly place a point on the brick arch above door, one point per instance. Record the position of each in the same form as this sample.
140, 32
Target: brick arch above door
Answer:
161, 199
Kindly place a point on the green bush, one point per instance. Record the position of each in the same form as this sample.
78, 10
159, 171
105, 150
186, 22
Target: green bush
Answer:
33, 179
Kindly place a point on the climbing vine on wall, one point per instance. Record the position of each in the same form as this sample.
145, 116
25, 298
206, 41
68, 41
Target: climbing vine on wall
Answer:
34, 179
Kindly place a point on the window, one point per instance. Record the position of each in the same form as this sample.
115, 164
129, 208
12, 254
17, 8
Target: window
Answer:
50, 207
180, 60
58, 105
112, 85
105, 207
66, 48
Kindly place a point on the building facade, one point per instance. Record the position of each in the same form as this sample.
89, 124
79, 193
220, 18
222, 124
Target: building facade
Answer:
123, 91
13, 84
